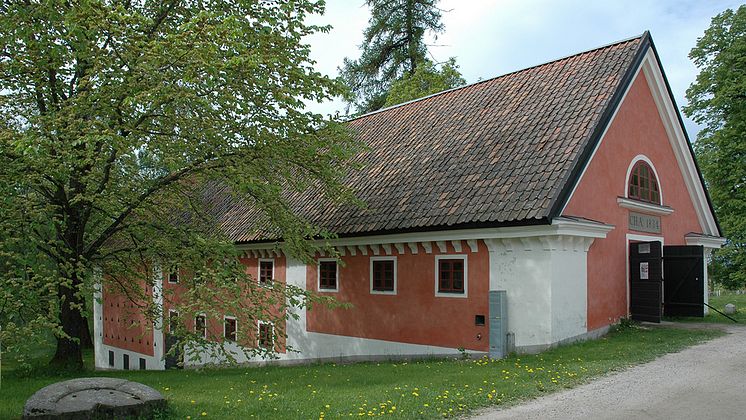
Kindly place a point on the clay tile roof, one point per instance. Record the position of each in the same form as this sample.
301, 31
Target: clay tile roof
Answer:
493, 153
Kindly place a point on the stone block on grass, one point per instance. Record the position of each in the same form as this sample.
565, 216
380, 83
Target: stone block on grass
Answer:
94, 398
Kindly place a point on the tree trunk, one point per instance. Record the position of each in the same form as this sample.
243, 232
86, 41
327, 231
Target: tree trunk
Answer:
69, 355
86, 338
411, 41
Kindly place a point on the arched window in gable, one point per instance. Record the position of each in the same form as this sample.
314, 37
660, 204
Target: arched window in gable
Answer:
643, 184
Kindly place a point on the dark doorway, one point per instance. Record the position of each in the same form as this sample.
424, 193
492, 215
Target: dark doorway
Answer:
646, 281
684, 280
173, 360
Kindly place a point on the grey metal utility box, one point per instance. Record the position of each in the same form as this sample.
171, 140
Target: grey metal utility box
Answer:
498, 324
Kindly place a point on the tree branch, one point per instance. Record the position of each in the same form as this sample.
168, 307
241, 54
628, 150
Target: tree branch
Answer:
161, 17
158, 185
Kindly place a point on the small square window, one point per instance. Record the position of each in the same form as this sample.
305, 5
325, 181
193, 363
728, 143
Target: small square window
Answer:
479, 320
328, 275
230, 329
266, 335
266, 272
173, 275
200, 325
383, 275
451, 275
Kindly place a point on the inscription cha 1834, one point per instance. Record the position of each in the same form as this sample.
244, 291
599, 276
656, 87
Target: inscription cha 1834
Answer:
644, 223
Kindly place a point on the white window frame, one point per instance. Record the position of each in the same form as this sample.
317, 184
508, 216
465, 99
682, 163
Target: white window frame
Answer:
171, 311
168, 276
258, 333
259, 271
318, 275
463, 257
396, 283
655, 172
225, 318
204, 334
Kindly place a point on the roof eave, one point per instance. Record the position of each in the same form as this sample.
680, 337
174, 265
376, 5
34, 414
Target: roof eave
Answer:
424, 229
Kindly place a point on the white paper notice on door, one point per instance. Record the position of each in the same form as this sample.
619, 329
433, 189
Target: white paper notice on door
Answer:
644, 270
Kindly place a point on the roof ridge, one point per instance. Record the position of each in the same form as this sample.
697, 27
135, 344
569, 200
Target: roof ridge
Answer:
641, 36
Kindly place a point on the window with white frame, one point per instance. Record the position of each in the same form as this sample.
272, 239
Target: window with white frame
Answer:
173, 320
230, 328
173, 275
643, 184
451, 275
266, 271
328, 275
200, 325
266, 337
383, 276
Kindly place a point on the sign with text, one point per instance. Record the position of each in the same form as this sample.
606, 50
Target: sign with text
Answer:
644, 270
644, 223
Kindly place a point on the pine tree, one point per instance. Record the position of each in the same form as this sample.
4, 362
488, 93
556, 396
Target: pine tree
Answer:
394, 46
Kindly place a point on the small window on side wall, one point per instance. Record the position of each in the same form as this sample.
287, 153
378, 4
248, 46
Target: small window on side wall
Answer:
230, 328
173, 275
266, 272
383, 275
173, 320
328, 275
200, 325
451, 275
643, 184
266, 335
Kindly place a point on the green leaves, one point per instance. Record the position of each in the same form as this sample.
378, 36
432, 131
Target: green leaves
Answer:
114, 116
426, 80
718, 101
394, 45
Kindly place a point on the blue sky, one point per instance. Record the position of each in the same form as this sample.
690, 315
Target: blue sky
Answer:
493, 37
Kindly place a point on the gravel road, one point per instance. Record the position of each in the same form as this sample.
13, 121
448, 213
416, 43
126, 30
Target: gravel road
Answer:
704, 381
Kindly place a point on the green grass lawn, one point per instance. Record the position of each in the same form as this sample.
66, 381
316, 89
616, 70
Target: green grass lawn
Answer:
719, 302
421, 389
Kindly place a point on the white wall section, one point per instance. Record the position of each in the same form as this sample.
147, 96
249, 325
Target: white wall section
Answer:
545, 279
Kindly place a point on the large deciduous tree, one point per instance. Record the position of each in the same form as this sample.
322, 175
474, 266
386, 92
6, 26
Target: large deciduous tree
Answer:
115, 116
717, 99
393, 46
